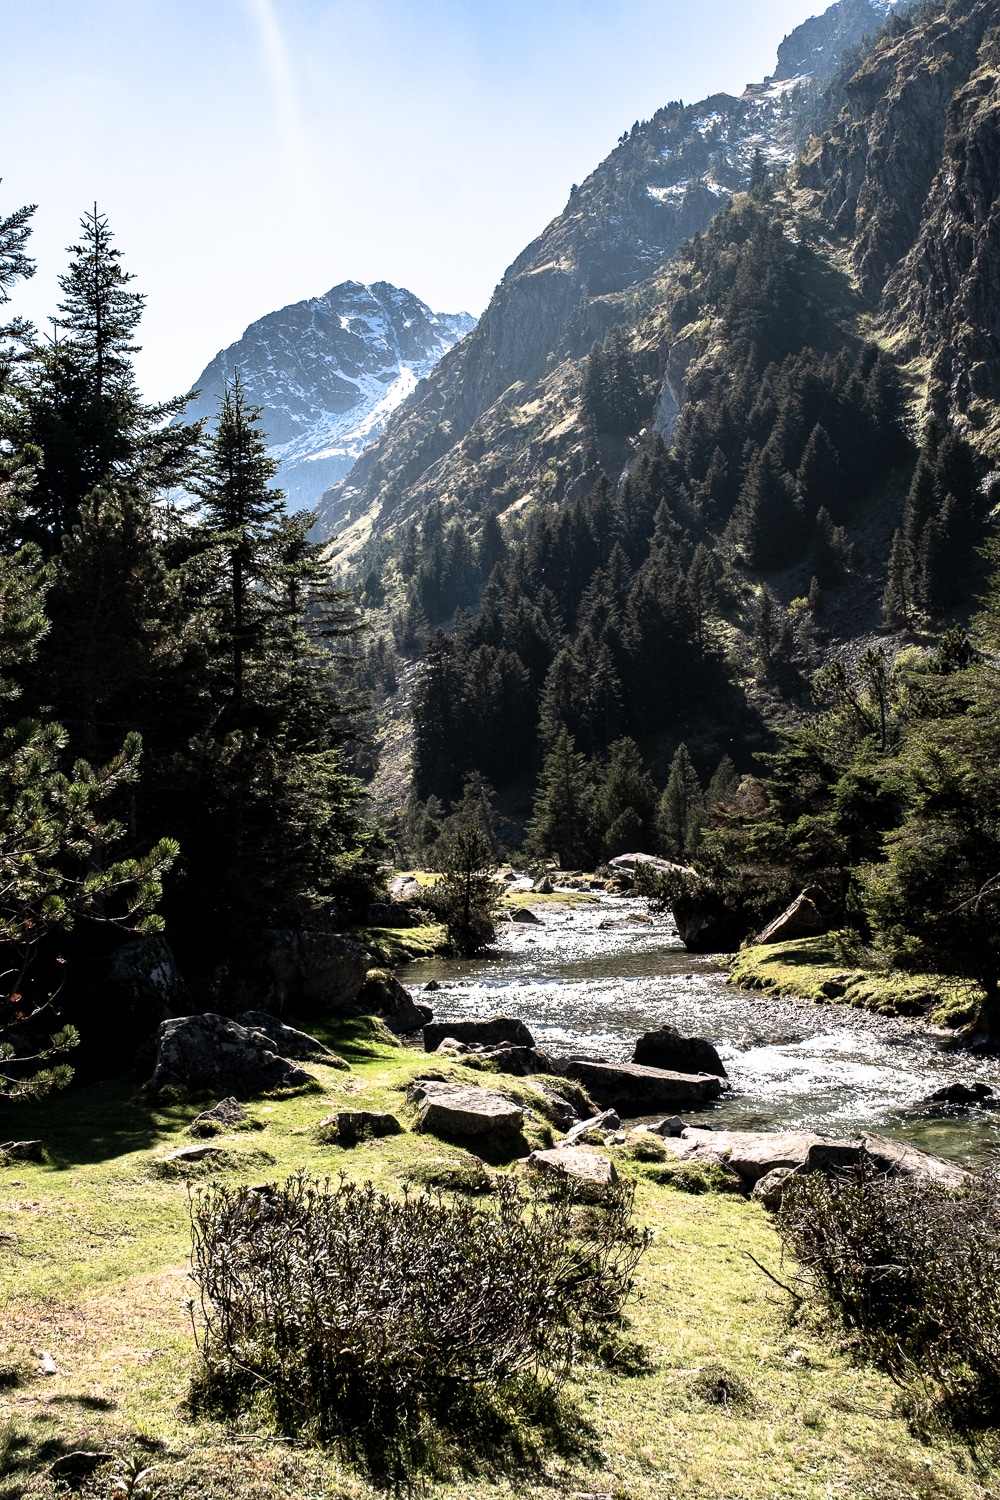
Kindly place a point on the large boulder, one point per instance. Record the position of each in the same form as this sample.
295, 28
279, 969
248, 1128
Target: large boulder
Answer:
901, 1160
485, 1033
768, 1158
287, 1041
800, 920
666, 1048
955, 1096
705, 924
458, 1113
634, 1088
383, 995
627, 864
576, 1162
316, 970
214, 1054
520, 1062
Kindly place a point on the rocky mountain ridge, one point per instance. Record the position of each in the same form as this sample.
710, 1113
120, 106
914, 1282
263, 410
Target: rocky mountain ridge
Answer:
329, 372
495, 427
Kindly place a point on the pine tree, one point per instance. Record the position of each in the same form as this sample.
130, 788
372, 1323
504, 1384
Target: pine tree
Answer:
820, 478
562, 816
681, 806
15, 263
831, 551
100, 314
895, 601
241, 516
625, 804
768, 521
724, 783
77, 403
467, 897
703, 594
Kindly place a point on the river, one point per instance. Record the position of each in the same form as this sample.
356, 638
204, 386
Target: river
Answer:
591, 978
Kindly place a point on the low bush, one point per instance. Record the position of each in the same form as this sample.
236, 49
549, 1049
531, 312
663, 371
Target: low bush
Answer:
915, 1271
449, 1175
340, 1313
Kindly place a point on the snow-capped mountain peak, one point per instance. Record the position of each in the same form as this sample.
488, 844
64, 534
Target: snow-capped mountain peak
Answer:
328, 373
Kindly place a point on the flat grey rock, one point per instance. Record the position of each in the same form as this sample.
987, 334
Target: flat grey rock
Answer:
574, 1161
459, 1113
634, 1086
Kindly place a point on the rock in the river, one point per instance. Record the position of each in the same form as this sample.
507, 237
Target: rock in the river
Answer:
485, 1033
316, 970
705, 924
525, 914
348, 1126
575, 1161
543, 886
953, 1096
674, 1125
457, 1113
666, 1048
802, 919
634, 1087
383, 995
214, 1054
287, 1041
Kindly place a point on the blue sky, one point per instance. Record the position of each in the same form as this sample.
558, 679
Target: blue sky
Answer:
253, 152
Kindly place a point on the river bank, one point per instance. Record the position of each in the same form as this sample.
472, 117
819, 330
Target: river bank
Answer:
93, 1275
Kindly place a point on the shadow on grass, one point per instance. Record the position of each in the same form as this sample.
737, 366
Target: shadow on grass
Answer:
808, 953
511, 1431
100, 1121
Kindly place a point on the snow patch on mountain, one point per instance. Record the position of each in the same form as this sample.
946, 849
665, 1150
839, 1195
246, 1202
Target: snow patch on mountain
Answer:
328, 373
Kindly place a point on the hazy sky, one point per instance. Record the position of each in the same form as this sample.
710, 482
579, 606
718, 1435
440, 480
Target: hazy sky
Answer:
253, 152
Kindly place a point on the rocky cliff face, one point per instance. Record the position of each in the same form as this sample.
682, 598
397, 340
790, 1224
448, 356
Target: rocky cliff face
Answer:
497, 424
329, 372
910, 176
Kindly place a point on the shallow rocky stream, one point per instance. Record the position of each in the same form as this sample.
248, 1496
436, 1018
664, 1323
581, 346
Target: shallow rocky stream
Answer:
590, 979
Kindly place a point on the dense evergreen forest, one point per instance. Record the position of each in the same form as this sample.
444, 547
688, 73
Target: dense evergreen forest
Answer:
175, 709
614, 617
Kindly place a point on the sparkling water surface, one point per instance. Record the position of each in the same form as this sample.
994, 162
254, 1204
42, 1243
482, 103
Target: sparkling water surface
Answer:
591, 979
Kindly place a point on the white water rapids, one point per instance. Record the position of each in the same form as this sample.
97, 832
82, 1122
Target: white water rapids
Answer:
591, 979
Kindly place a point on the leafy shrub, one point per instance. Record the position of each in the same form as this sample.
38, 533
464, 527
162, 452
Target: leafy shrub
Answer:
342, 1313
915, 1270
451, 1176
697, 1177
718, 1386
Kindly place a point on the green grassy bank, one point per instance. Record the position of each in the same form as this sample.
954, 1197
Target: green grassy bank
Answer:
811, 968
93, 1262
